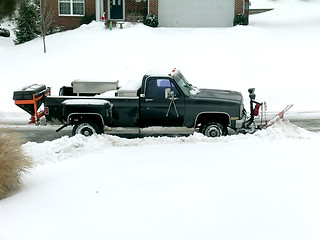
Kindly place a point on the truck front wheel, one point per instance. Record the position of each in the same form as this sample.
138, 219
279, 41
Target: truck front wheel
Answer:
86, 128
214, 129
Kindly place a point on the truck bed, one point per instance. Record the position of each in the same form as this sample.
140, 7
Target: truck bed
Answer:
125, 110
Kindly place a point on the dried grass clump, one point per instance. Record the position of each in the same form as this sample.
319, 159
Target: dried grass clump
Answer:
13, 163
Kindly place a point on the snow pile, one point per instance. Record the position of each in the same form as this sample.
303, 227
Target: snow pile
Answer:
261, 186
74, 147
284, 130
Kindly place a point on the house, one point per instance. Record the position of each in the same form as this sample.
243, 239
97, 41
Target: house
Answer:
171, 13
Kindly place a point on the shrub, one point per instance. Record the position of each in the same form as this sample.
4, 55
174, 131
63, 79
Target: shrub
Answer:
151, 20
4, 32
134, 17
7, 8
86, 19
55, 29
13, 163
27, 22
240, 19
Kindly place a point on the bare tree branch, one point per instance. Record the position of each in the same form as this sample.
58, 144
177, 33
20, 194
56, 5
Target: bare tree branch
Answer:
47, 18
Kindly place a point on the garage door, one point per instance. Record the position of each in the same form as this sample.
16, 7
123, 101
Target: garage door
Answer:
196, 13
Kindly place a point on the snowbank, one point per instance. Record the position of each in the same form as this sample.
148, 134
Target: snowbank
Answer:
261, 186
74, 147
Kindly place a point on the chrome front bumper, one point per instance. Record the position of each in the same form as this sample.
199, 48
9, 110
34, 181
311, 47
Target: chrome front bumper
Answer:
240, 123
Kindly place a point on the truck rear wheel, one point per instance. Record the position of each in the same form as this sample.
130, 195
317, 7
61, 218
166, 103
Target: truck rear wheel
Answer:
86, 128
214, 129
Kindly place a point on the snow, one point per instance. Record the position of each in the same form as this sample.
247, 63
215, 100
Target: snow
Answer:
259, 186
160, 72
132, 85
85, 102
129, 89
31, 87
105, 187
108, 94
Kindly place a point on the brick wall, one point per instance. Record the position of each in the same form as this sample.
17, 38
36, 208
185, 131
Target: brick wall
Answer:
133, 7
90, 7
52, 5
70, 22
153, 7
239, 7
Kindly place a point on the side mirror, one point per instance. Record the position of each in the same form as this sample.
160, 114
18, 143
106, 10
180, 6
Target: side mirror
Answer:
168, 94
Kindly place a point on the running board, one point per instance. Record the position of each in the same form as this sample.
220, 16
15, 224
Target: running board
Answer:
149, 130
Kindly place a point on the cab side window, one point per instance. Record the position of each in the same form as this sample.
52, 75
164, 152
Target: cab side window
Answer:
156, 88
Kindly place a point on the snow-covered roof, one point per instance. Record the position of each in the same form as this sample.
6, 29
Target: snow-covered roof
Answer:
131, 85
31, 87
161, 71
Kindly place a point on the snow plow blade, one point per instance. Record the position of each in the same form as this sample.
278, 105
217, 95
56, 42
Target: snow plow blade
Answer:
277, 117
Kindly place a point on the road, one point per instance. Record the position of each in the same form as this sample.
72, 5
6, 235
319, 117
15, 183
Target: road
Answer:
47, 133
312, 125
29, 132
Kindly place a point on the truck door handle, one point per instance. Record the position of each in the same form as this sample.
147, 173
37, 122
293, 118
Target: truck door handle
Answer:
149, 100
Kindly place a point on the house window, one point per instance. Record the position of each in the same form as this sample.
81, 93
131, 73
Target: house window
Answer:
71, 7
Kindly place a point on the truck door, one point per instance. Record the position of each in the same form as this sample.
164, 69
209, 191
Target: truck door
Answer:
159, 109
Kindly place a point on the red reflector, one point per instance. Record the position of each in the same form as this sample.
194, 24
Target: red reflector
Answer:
46, 110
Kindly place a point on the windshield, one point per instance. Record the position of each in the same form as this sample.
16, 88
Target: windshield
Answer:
185, 86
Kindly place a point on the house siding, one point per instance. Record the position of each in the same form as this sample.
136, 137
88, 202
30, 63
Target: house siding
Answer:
131, 7
70, 22
190, 13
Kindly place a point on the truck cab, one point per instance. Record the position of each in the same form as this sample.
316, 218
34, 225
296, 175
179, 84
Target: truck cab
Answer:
168, 99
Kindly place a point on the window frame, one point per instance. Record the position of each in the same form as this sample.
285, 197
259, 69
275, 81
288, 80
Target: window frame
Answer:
71, 2
158, 80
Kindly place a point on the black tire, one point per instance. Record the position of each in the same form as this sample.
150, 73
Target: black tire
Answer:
86, 128
214, 129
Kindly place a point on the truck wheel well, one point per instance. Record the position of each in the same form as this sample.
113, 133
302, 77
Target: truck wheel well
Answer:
86, 128
204, 118
95, 118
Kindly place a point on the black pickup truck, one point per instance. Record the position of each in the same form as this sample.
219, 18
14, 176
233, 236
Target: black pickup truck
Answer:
164, 101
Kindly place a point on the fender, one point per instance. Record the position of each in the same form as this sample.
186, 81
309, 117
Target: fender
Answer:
222, 116
75, 117
88, 116
72, 118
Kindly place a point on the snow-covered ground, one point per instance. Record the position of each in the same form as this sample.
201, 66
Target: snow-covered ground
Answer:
260, 186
